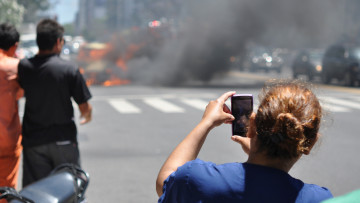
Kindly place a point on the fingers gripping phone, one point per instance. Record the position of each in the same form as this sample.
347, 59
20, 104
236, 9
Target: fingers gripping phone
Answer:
241, 108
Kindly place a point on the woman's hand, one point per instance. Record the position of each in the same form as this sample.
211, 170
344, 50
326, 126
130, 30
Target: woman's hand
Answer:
245, 141
217, 113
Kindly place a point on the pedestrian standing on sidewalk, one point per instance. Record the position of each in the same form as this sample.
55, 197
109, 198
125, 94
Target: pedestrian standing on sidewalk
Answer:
10, 93
49, 82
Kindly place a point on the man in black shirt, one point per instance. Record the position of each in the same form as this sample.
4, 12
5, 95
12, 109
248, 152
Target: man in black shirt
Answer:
49, 82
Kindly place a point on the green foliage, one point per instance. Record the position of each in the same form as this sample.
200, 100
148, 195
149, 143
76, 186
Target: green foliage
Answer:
32, 7
17, 11
11, 12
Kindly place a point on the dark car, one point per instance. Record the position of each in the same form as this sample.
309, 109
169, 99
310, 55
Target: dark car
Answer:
264, 59
341, 63
308, 63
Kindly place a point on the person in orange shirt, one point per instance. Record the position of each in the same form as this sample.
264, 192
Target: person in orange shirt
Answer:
10, 127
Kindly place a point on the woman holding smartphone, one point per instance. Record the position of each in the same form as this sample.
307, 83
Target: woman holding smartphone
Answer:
284, 128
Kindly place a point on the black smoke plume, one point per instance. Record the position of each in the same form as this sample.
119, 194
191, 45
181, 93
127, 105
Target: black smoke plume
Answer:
212, 31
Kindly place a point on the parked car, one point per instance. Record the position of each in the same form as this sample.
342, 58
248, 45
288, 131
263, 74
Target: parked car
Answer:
308, 63
28, 45
342, 63
264, 59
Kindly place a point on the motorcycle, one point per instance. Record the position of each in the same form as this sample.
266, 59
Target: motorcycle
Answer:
67, 183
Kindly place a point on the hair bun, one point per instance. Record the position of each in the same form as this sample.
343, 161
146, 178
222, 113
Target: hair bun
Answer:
288, 119
288, 126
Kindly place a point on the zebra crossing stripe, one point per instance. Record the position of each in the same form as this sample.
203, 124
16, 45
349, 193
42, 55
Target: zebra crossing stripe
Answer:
196, 103
163, 105
330, 104
333, 108
341, 102
123, 106
356, 98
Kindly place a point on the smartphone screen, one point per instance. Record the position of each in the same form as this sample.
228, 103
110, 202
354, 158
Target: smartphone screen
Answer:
241, 108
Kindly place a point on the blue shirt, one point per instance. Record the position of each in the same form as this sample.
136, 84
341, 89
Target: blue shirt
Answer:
199, 181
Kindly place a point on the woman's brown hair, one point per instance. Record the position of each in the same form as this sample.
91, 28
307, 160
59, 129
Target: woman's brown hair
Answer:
288, 119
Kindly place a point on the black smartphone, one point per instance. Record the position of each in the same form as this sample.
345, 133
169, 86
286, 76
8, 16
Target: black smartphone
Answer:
241, 109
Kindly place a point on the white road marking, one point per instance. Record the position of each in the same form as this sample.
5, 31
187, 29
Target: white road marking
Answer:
356, 98
196, 103
329, 103
334, 108
123, 106
163, 96
163, 105
333, 100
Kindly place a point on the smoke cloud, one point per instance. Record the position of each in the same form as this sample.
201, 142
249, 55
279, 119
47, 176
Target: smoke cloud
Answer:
212, 31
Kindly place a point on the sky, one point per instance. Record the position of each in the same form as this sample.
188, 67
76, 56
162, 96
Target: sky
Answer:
66, 10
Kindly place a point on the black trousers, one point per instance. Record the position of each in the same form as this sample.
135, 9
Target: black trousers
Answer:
39, 161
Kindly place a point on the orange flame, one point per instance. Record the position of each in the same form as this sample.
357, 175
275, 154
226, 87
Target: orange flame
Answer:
91, 79
121, 64
115, 81
122, 51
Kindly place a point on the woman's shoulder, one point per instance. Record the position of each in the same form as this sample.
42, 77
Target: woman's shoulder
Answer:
200, 165
202, 173
204, 177
314, 192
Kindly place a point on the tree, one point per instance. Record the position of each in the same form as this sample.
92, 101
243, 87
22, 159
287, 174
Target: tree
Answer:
11, 12
32, 7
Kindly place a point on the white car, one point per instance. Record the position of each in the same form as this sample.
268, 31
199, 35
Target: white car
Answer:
28, 45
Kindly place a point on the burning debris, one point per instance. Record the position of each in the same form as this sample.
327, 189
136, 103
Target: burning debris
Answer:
107, 63
202, 42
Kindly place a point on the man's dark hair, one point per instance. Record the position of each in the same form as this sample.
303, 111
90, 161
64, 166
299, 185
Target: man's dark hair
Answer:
47, 33
8, 36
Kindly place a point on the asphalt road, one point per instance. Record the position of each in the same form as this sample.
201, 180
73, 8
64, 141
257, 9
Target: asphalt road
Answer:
124, 148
